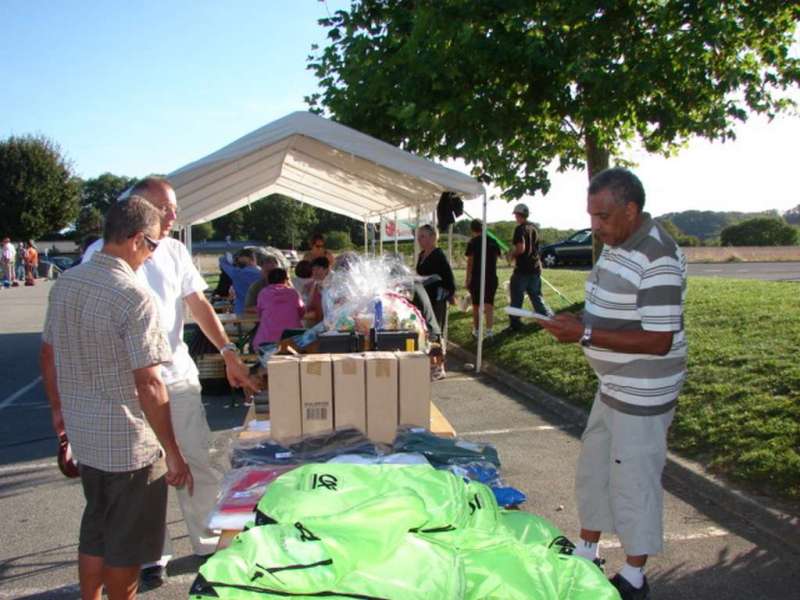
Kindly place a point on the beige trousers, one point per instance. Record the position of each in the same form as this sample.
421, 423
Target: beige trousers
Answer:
194, 438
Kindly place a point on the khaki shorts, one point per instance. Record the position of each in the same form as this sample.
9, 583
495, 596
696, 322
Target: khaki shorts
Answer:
125, 515
618, 480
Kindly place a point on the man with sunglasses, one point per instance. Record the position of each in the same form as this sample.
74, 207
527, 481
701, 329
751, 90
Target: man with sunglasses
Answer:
101, 357
175, 283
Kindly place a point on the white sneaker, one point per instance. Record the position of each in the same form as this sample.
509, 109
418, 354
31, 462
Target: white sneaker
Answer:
489, 334
475, 333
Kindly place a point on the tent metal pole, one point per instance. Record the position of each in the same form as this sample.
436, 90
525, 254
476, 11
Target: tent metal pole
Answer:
416, 244
479, 357
366, 240
380, 235
450, 244
188, 238
396, 226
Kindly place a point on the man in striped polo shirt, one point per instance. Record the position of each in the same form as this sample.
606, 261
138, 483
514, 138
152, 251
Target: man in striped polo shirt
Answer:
632, 334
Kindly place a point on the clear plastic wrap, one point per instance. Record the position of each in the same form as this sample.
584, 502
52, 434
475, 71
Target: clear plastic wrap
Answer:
260, 450
359, 288
240, 491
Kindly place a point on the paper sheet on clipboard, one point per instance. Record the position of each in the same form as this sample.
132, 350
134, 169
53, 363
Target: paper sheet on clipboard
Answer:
521, 312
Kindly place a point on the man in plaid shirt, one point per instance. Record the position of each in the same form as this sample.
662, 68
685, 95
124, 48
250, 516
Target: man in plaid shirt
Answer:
102, 347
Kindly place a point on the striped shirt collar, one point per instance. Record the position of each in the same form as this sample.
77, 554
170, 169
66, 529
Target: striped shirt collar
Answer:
640, 234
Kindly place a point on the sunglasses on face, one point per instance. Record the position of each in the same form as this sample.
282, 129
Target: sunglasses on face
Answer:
151, 243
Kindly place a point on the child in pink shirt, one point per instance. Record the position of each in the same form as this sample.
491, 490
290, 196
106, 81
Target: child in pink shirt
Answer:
279, 308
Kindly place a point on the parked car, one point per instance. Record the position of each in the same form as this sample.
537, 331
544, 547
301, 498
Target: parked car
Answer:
292, 256
51, 266
576, 249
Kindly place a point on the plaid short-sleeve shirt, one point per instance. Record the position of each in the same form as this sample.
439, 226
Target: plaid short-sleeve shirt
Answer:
103, 325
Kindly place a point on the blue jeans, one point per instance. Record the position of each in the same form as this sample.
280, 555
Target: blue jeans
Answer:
532, 284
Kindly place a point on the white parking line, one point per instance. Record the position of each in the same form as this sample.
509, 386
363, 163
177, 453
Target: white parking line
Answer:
518, 430
19, 393
704, 534
29, 466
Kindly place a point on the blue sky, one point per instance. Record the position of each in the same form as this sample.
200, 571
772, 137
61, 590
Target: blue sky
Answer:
135, 88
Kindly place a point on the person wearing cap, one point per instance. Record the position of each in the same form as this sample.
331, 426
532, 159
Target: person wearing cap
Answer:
527, 275
175, 284
632, 334
101, 356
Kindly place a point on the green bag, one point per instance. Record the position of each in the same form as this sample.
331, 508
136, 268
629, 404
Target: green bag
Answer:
326, 489
345, 556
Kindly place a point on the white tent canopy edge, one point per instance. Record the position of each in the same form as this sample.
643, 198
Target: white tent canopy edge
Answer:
323, 163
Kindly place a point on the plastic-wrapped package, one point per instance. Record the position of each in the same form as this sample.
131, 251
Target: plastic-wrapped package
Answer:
311, 448
443, 452
397, 458
351, 294
240, 491
485, 472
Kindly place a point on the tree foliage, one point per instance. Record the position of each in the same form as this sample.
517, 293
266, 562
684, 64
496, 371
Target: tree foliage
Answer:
202, 232
759, 232
38, 192
512, 86
338, 240
103, 190
707, 224
90, 222
792, 216
285, 223
680, 238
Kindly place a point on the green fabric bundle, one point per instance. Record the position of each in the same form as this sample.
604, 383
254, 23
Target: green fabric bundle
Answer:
394, 532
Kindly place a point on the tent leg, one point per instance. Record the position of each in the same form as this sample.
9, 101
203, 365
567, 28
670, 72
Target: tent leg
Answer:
479, 357
366, 240
396, 246
380, 238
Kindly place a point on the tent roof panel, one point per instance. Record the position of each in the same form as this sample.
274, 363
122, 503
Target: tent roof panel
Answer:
314, 160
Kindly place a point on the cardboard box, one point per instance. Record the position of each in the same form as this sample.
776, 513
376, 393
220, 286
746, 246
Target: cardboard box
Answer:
349, 391
414, 389
316, 393
381, 383
284, 397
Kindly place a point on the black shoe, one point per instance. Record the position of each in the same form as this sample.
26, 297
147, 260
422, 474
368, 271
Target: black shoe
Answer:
153, 577
627, 591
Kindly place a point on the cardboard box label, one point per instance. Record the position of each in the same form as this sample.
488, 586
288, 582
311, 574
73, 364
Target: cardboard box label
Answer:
316, 393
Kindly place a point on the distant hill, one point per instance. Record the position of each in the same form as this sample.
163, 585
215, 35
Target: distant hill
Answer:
707, 224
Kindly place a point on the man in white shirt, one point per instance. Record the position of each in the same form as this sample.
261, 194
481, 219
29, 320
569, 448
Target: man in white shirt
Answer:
8, 258
175, 283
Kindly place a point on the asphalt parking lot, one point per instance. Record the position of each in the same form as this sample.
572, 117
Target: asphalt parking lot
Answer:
711, 553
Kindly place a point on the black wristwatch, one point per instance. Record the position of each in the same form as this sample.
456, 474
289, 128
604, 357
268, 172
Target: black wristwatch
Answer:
586, 338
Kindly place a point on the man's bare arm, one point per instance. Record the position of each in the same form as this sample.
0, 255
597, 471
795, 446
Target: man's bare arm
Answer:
47, 364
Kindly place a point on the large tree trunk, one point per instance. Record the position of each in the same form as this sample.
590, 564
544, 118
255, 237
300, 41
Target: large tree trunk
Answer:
596, 161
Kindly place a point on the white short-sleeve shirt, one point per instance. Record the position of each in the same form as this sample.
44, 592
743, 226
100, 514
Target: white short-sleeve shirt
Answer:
170, 276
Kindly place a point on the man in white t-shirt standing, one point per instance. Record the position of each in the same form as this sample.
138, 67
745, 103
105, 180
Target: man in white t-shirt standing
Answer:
175, 283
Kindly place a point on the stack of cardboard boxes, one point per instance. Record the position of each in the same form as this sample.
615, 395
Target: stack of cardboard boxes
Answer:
371, 391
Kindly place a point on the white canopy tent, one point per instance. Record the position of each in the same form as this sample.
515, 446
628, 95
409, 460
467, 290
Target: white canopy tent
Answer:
323, 163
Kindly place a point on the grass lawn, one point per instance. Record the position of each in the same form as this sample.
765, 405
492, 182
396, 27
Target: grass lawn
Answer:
739, 412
